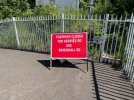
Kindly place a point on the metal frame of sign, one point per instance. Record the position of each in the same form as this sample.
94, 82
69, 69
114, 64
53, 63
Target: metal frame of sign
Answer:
86, 58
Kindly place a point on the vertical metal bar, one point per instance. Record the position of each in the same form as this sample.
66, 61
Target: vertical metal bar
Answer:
68, 23
128, 49
133, 77
41, 36
117, 36
71, 23
36, 32
131, 70
58, 28
111, 46
73, 19
122, 34
126, 63
94, 34
16, 32
104, 37
49, 36
62, 29
33, 33
131, 51
49, 31
47, 24
100, 30
109, 39
27, 35
87, 65
81, 20
53, 19
97, 42
65, 23
91, 7
76, 23
45, 34
90, 34
51, 63
62, 23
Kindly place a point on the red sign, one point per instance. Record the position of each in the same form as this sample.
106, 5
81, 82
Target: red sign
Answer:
69, 45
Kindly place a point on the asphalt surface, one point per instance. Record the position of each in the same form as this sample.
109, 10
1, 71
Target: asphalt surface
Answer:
26, 76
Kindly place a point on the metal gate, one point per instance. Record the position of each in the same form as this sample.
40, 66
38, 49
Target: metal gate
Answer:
129, 51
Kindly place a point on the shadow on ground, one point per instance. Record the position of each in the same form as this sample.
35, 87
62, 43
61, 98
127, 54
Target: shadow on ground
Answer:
108, 83
57, 64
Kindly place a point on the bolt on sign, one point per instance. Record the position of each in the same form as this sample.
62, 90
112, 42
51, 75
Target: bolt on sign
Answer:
69, 45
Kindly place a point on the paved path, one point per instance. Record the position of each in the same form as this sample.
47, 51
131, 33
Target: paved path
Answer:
25, 76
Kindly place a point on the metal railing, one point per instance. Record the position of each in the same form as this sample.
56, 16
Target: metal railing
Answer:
129, 51
107, 35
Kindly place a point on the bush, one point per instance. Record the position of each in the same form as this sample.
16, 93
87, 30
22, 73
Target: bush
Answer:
46, 10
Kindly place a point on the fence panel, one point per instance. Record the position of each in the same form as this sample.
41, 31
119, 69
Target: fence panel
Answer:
116, 38
7, 34
34, 32
107, 35
129, 51
92, 25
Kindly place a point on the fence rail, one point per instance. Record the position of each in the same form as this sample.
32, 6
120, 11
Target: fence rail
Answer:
107, 35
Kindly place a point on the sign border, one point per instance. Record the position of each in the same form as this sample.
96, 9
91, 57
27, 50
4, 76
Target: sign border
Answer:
70, 57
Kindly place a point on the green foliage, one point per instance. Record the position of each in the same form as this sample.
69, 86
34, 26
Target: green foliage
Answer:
102, 7
7, 39
122, 7
84, 5
10, 8
117, 7
121, 53
46, 10
72, 11
28, 12
94, 52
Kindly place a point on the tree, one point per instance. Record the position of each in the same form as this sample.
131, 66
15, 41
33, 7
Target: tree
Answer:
102, 7
117, 7
46, 10
122, 7
32, 3
10, 8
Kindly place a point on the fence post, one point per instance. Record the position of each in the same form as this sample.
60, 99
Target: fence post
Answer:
16, 32
103, 37
62, 30
62, 23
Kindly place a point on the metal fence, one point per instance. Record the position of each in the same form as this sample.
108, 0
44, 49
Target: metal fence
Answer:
129, 51
107, 35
